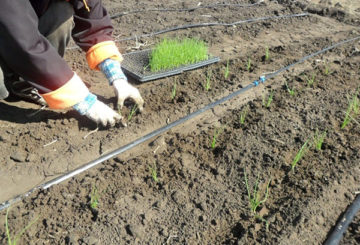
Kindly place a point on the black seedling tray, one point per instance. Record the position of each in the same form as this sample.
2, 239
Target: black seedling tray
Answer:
136, 65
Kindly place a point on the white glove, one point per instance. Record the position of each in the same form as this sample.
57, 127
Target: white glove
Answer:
97, 111
124, 90
101, 113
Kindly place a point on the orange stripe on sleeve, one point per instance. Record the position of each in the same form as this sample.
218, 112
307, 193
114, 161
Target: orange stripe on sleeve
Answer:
102, 51
68, 95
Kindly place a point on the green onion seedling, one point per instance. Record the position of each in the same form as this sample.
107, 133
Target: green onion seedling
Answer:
248, 66
173, 91
319, 139
299, 155
352, 110
13, 241
254, 198
132, 112
243, 115
291, 91
310, 81
267, 101
94, 197
227, 71
214, 138
326, 69
207, 85
153, 172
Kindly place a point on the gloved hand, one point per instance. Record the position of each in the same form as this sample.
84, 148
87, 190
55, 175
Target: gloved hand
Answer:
97, 111
123, 90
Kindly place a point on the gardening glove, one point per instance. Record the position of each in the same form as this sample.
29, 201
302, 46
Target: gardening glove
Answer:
97, 111
123, 90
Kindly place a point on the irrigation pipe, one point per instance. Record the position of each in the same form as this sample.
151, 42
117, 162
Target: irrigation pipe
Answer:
338, 232
176, 28
116, 15
168, 127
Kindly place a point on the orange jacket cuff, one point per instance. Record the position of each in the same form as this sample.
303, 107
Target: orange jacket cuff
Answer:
102, 51
68, 95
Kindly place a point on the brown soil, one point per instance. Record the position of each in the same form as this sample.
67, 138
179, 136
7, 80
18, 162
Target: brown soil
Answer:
200, 196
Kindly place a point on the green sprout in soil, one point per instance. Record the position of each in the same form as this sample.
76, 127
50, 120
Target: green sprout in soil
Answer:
310, 81
214, 138
267, 101
132, 112
290, 90
243, 115
227, 71
207, 85
173, 91
94, 197
319, 139
352, 110
255, 199
267, 54
299, 155
153, 172
326, 69
13, 241
173, 53
248, 65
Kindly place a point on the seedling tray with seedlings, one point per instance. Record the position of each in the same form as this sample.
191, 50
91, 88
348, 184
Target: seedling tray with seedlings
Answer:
137, 65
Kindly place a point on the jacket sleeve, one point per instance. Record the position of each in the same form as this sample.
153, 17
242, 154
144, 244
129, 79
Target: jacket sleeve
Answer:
26, 51
92, 32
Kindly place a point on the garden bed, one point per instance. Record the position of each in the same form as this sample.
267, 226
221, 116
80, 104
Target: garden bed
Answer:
200, 196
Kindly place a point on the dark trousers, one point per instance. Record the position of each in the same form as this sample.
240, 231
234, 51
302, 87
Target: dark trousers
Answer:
55, 25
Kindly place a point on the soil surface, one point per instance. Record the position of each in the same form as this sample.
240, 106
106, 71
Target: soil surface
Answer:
199, 194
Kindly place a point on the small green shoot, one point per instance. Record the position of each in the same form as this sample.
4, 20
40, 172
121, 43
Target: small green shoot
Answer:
13, 241
207, 85
153, 172
94, 197
267, 54
326, 69
227, 71
248, 65
310, 81
254, 198
352, 110
132, 112
214, 138
299, 155
291, 91
173, 91
319, 139
267, 100
243, 115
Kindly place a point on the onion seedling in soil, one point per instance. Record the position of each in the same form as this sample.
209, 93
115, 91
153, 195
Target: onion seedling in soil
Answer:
267, 101
153, 172
291, 91
310, 81
132, 112
352, 110
227, 71
94, 197
173, 91
170, 54
254, 198
326, 69
243, 115
299, 155
207, 85
13, 241
319, 139
215, 135
248, 65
